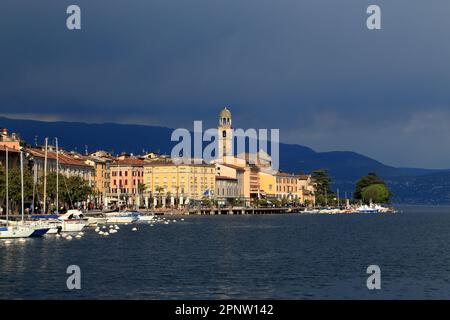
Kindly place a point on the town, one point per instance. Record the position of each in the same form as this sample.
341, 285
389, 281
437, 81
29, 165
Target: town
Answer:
57, 180
153, 181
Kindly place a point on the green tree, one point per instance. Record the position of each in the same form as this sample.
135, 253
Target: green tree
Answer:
208, 202
71, 190
15, 189
322, 179
377, 193
77, 190
276, 202
261, 202
370, 179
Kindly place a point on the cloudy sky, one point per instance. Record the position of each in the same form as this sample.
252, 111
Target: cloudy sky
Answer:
308, 67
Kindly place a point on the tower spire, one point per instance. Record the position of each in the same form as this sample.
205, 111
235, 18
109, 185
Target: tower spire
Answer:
225, 134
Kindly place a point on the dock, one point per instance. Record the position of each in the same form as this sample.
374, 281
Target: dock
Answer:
240, 211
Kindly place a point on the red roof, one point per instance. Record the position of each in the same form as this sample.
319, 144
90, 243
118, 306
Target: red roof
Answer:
62, 157
128, 162
3, 148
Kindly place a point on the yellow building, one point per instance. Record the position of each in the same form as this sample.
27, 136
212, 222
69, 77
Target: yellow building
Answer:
102, 179
170, 184
287, 186
306, 189
298, 189
267, 185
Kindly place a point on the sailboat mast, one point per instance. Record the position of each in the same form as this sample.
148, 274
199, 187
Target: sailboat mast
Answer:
21, 184
45, 176
57, 176
7, 187
34, 186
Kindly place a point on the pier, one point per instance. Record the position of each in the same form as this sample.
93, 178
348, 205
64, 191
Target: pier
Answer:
241, 211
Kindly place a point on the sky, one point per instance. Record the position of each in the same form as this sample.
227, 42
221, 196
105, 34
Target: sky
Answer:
308, 67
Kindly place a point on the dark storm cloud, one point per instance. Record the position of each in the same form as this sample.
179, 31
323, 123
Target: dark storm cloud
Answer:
310, 68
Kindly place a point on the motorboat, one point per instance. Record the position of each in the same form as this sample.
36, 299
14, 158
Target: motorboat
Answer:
94, 221
122, 217
145, 218
73, 221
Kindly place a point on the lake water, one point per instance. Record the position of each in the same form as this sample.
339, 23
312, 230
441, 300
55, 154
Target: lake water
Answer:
242, 257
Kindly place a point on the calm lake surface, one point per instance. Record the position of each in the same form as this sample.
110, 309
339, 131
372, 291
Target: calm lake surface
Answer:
242, 257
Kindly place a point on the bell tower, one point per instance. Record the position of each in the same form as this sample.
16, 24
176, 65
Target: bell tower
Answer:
225, 134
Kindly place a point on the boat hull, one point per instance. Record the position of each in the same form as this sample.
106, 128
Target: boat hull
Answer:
146, 218
13, 233
121, 220
72, 226
39, 232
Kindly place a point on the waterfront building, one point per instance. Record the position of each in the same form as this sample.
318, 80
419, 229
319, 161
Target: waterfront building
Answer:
306, 189
172, 185
236, 173
267, 185
70, 164
101, 163
12, 143
126, 181
227, 191
13, 157
287, 187
297, 189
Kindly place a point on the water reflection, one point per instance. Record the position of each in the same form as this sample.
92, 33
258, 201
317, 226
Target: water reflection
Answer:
253, 257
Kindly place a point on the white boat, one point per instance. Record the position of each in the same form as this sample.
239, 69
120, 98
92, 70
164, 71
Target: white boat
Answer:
40, 227
367, 209
142, 217
121, 217
11, 232
94, 221
72, 221
49, 220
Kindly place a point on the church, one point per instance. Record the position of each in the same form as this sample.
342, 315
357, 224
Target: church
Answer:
246, 174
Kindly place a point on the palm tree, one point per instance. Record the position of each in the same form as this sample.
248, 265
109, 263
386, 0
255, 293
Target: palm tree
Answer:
158, 191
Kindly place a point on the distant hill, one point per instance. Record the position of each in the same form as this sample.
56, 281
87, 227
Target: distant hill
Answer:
412, 185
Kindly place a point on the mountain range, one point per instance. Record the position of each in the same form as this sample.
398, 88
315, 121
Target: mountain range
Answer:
409, 185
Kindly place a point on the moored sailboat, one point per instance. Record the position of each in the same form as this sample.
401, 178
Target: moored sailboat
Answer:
8, 231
